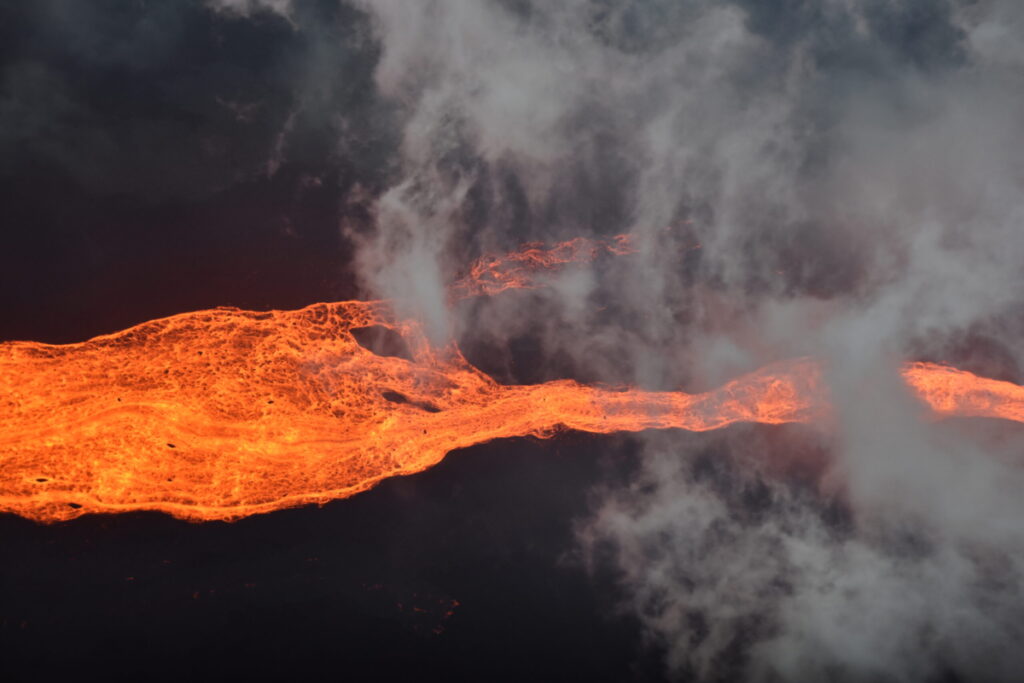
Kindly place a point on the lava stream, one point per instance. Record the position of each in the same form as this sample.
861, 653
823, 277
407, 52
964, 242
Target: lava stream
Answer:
225, 413
518, 269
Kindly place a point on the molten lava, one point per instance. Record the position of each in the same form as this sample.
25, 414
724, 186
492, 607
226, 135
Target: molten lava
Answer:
226, 413
518, 269
955, 393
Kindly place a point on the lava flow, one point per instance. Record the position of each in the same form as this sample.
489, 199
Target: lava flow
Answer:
518, 269
225, 413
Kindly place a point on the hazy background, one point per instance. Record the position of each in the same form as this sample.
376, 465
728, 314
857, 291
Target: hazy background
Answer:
837, 178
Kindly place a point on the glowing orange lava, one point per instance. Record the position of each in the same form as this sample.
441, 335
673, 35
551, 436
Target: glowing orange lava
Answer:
955, 393
225, 413
220, 414
518, 269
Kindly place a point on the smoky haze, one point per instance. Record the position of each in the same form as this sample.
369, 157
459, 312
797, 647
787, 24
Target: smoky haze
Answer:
839, 179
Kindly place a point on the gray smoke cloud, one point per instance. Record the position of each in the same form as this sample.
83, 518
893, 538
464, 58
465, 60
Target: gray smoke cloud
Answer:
247, 8
847, 167
849, 170
741, 575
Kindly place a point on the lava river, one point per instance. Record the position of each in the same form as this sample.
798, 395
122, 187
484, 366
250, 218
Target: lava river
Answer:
224, 413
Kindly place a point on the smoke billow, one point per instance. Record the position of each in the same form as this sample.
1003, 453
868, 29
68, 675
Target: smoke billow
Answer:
838, 178
741, 575
246, 8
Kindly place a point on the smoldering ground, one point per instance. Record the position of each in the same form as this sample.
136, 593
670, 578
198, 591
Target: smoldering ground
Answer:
837, 179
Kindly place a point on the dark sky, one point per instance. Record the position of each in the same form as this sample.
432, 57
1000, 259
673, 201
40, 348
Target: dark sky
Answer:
137, 145
849, 170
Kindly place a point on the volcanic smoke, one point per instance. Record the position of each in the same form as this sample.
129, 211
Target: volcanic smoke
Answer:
225, 413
